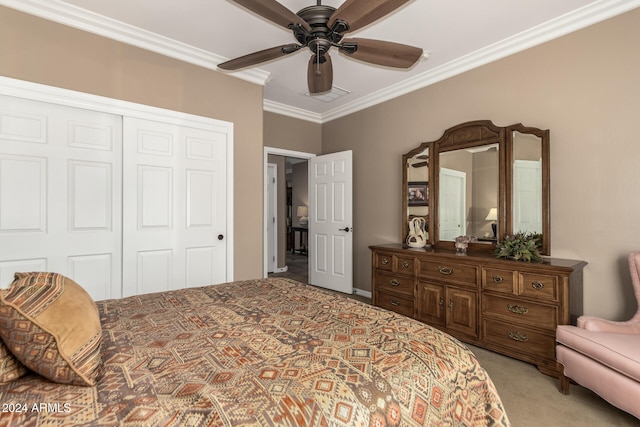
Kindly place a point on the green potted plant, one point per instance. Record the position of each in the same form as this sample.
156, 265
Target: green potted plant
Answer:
520, 246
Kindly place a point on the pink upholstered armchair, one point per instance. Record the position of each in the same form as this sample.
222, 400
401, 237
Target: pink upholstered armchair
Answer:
604, 356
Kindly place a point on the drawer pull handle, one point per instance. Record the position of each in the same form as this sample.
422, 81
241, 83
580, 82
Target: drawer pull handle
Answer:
441, 302
497, 279
450, 305
394, 282
517, 336
385, 261
405, 264
394, 302
517, 309
448, 271
537, 285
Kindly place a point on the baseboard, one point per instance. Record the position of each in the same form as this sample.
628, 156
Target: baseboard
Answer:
362, 293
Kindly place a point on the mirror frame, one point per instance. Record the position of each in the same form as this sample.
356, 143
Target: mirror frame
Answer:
473, 134
543, 134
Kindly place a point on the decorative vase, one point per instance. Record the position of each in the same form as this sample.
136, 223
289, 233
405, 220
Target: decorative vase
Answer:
417, 237
461, 243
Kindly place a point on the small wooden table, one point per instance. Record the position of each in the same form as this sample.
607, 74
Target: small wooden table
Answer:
303, 232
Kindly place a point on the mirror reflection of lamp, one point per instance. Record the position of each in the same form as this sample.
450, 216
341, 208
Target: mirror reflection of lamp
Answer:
493, 216
303, 214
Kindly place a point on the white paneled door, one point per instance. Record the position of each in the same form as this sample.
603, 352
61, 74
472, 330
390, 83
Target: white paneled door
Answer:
175, 224
331, 222
452, 214
60, 193
527, 195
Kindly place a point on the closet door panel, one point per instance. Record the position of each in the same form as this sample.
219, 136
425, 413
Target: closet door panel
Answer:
60, 182
174, 206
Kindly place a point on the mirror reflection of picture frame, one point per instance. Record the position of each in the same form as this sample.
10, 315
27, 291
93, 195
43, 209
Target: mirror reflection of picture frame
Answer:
418, 193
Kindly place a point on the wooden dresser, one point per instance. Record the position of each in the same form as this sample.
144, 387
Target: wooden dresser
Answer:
505, 306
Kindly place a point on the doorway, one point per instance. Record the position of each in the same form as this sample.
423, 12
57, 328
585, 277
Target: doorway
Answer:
285, 239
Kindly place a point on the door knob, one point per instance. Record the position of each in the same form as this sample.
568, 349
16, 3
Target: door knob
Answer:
220, 237
347, 229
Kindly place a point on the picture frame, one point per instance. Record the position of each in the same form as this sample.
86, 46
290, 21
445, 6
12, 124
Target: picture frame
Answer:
418, 193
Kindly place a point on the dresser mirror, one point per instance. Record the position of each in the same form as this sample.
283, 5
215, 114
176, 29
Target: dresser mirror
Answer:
528, 182
479, 180
468, 193
416, 186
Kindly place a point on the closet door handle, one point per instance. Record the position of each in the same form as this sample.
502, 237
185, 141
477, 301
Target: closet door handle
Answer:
220, 236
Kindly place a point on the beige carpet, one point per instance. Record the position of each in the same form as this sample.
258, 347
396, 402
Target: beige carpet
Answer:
533, 400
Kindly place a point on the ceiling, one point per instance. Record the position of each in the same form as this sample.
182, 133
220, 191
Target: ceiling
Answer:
456, 35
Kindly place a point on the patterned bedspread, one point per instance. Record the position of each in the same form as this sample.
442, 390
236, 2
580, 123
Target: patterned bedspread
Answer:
270, 352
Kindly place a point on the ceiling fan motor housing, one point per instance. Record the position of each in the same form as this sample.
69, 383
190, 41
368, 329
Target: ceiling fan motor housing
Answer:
320, 39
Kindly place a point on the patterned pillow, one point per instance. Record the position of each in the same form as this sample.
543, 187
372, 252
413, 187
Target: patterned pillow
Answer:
10, 368
52, 326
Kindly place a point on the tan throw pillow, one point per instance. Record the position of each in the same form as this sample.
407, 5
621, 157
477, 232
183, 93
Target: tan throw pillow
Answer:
52, 326
10, 368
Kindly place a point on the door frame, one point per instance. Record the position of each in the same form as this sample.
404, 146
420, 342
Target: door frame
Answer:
87, 101
272, 208
265, 204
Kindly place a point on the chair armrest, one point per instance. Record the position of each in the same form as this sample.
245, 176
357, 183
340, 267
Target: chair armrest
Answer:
597, 324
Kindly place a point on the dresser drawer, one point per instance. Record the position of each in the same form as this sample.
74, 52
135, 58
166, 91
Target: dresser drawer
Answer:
395, 303
522, 339
539, 286
522, 312
497, 280
394, 283
450, 272
383, 261
405, 265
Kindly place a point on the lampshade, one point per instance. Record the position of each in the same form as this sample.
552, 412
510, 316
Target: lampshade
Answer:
302, 211
491, 216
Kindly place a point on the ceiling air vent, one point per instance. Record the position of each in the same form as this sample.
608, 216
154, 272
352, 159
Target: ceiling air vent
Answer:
335, 93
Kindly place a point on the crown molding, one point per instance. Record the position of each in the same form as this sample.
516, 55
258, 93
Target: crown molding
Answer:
288, 110
558, 27
82, 19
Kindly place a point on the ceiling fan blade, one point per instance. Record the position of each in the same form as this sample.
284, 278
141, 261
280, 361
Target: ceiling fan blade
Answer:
274, 12
359, 13
258, 57
320, 76
381, 52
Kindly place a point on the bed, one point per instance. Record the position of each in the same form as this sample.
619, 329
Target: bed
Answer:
269, 352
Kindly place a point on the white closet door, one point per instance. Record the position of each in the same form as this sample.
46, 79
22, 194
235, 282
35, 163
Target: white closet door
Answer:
174, 210
60, 194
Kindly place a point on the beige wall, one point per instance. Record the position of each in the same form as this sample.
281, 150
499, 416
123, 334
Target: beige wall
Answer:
40, 51
584, 87
292, 134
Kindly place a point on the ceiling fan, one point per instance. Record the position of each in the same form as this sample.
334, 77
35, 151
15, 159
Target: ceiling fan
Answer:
321, 27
